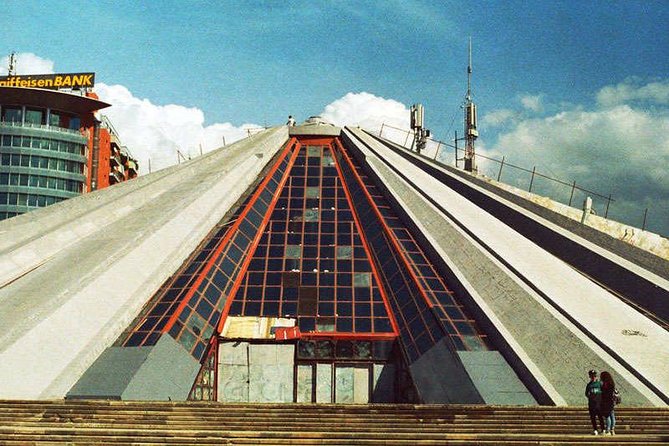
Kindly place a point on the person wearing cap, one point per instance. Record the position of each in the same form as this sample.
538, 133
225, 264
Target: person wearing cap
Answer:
593, 391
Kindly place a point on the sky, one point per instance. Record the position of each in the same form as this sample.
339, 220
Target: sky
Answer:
578, 90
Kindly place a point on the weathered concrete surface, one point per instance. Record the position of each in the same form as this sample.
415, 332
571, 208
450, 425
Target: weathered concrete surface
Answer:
441, 378
646, 240
109, 377
539, 333
259, 373
495, 380
101, 256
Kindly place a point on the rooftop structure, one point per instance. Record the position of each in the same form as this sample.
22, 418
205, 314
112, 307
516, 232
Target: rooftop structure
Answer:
323, 264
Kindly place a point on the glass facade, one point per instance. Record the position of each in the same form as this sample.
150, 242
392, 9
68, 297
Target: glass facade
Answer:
189, 307
314, 241
426, 309
40, 164
311, 263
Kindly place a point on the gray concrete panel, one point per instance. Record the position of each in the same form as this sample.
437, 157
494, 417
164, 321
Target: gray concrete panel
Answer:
536, 336
344, 391
305, 383
383, 390
494, 379
102, 256
271, 383
324, 383
440, 378
271, 373
167, 374
109, 376
314, 130
233, 383
233, 353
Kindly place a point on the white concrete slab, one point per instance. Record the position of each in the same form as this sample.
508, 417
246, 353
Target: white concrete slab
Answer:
570, 290
80, 286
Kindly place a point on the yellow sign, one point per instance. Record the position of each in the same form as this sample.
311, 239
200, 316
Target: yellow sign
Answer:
73, 81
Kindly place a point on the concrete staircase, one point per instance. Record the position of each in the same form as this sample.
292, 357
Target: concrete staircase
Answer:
186, 423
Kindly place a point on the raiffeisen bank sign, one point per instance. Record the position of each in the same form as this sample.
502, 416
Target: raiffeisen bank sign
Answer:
73, 81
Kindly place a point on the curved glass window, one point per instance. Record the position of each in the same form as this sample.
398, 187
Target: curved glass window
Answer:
12, 114
35, 116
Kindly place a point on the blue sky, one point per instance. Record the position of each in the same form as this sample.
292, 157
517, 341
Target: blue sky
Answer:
540, 68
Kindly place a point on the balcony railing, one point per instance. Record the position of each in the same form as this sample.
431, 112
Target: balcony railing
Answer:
116, 176
50, 128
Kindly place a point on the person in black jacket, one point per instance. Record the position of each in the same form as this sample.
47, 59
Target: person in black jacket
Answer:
593, 391
608, 402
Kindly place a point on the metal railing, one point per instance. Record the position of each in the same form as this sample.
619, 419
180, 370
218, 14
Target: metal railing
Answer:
435, 148
44, 127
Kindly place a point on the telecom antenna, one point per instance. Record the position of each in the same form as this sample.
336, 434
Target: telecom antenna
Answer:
421, 134
12, 64
470, 120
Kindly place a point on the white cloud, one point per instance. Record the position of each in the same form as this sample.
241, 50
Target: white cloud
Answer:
499, 117
532, 102
368, 111
624, 92
27, 63
157, 131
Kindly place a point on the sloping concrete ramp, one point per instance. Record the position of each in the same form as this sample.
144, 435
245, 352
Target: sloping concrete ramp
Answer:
74, 275
553, 318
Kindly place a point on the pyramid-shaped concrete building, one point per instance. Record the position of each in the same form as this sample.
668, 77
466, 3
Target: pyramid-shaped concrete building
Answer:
323, 264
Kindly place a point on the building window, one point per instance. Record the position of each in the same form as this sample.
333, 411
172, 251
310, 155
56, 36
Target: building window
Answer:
10, 114
75, 123
293, 251
34, 116
344, 252
54, 119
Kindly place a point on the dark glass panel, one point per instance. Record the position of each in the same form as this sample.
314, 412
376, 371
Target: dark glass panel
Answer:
306, 324
363, 324
270, 309
326, 309
252, 309
307, 298
344, 308
306, 349
236, 308
136, 339
344, 324
344, 349
382, 325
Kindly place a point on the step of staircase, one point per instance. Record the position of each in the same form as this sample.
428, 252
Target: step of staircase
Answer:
103, 422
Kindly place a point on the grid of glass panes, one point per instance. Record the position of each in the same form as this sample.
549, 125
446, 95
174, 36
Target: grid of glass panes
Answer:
35, 142
43, 162
199, 317
311, 263
171, 294
204, 388
420, 327
45, 182
343, 350
462, 329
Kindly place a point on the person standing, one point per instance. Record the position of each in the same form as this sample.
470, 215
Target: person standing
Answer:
608, 402
291, 121
593, 391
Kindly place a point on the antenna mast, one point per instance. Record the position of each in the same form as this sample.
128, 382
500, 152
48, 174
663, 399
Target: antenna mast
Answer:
12, 64
470, 120
420, 133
